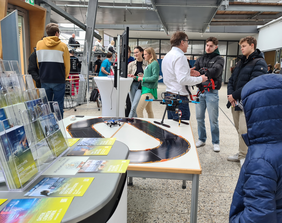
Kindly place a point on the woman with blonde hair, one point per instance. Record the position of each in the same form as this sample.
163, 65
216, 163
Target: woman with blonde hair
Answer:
111, 47
276, 69
149, 83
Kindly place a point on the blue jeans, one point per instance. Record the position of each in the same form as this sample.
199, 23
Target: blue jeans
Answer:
134, 104
208, 100
55, 92
183, 107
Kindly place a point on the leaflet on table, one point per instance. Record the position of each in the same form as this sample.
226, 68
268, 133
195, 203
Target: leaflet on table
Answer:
57, 142
61, 187
2, 201
48, 124
90, 151
72, 141
105, 166
18, 155
66, 166
97, 142
50, 210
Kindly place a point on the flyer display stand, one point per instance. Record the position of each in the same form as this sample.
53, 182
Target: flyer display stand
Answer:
30, 135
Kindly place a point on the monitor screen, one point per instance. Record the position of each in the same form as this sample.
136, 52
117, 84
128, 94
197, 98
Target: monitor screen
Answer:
124, 53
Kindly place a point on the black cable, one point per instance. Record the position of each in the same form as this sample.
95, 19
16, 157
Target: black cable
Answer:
226, 116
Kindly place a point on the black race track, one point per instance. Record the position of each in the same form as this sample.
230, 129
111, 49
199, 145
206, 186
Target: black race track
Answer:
171, 145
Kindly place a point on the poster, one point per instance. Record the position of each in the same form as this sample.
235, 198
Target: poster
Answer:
60, 187
50, 210
66, 166
105, 166
90, 151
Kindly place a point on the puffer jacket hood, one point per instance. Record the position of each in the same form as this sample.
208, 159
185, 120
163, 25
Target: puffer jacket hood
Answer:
51, 41
262, 104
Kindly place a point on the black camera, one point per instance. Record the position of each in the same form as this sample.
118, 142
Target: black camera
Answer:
203, 71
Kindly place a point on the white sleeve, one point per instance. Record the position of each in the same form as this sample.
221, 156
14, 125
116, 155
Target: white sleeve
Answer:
182, 72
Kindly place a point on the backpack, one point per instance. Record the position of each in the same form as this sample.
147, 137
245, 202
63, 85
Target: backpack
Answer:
94, 95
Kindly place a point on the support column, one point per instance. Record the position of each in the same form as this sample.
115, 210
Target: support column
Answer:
88, 43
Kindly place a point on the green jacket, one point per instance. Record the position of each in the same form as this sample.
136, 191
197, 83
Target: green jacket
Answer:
151, 75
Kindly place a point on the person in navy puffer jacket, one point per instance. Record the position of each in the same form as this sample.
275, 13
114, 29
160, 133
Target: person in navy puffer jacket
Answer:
258, 194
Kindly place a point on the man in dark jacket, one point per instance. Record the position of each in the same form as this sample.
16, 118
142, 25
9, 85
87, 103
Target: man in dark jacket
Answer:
211, 64
72, 42
258, 194
33, 68
251, 65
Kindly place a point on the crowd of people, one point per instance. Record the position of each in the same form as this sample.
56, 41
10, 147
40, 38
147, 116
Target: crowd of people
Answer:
252, 97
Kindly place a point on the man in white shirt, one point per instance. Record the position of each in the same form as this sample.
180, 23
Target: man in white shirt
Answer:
177, 73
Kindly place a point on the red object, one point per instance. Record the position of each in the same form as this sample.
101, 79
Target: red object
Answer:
74, 84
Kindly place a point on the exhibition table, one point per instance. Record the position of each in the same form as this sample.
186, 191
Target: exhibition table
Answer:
104, 201
184, 166
109, 94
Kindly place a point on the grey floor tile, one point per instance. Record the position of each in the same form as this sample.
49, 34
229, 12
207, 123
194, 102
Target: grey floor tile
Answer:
227, 184
158, 200
209, 184
220, 218
164, 217
135, 217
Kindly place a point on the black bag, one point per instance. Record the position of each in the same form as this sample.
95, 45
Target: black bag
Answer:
94, 95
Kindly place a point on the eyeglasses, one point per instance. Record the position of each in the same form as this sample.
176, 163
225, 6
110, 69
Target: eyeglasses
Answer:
186, 40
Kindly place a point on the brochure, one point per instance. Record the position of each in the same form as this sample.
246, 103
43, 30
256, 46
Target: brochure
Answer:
48, 124
66, 166
57, 143
35, 210
43, 153
72, 141
34, 108
2, 201
105, 166
97, 142
90, 151
60, 187
18, 155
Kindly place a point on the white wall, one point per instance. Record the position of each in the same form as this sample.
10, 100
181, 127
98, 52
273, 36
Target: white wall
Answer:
269, 37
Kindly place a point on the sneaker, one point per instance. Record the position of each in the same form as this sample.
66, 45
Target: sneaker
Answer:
242, 161
234, 158
199, 143
216, 148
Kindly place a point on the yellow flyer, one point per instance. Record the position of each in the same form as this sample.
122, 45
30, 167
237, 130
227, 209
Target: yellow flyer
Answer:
2, 201
90, 151
105, 166
61, 187
72, 141
50, 210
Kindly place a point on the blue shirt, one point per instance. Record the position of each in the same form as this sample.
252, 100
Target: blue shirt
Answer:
107, 65
130, 59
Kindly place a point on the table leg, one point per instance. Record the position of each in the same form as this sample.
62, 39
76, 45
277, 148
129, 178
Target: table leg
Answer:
194, 200
184, 184
130, 181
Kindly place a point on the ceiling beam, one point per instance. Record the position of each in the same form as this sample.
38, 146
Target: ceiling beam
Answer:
240, 16
253, 8
218, 5
67, 16
187, 6
233, 29
159, 16
238, 23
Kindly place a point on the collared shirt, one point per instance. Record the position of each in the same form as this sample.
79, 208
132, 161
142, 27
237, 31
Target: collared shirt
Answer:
176, 72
